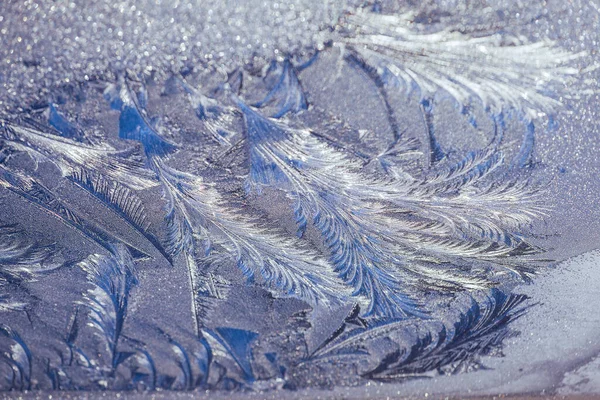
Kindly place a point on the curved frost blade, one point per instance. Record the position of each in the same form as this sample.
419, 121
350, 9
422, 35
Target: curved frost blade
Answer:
21, 262
17, 355
36, 193
112, 279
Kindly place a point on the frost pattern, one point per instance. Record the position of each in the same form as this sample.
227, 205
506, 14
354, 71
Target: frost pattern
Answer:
501, 72
375, 245
387, 237
21, 262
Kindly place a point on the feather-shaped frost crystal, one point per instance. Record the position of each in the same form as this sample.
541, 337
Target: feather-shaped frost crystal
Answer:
70, 156
501, 72
111, 278
386, 237
381, 231
196, 212
198, 216
21, 261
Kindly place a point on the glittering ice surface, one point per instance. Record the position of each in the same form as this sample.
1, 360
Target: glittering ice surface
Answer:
333, 198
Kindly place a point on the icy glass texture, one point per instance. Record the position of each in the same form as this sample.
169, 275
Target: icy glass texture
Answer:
334, 198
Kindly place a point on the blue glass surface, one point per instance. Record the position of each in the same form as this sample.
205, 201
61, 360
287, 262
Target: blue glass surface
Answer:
353, 199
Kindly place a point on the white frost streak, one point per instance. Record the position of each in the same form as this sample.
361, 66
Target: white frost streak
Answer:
501, 72
69, 156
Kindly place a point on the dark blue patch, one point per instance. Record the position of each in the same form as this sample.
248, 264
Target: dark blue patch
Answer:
237, 342
62, 125
133, 126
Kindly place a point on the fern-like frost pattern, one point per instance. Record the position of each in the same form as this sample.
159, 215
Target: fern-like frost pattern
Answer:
279, 241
